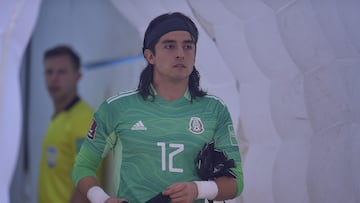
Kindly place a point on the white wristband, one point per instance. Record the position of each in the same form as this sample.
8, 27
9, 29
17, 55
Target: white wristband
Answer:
97, 195
206, 189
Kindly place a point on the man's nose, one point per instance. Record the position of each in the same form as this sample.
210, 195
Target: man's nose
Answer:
53, 76
180, 52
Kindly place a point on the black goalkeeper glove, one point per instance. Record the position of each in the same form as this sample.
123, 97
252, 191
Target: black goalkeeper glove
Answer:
212, 163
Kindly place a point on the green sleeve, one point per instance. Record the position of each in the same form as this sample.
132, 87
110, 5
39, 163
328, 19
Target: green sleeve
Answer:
86, 164
225, 139
239, 178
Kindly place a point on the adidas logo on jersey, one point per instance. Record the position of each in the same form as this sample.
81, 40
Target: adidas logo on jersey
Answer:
138, 126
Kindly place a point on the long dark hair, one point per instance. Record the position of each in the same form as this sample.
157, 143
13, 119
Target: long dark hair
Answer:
146, 77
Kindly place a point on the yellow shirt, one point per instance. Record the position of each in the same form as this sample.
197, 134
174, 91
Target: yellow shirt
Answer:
60, 145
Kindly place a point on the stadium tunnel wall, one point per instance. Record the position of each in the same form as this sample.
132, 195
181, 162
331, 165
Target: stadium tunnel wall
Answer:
288, 71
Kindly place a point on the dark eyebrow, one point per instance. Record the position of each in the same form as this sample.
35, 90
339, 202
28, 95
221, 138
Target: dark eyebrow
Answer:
173, 41
190, 41
168, 41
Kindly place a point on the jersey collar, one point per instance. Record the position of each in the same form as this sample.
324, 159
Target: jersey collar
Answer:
69, 106
72, 103
186, 94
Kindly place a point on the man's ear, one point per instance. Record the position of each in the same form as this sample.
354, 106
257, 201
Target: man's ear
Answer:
78, 76
149, 56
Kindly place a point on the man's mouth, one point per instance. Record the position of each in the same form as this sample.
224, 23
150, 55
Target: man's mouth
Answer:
53, 89
179, 65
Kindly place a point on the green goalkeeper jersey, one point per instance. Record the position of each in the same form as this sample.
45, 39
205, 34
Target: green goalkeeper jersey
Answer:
154, 141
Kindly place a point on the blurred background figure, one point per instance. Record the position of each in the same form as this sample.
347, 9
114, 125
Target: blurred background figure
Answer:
67, 128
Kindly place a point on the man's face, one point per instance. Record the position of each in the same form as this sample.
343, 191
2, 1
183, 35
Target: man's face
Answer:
61, 77
174, 57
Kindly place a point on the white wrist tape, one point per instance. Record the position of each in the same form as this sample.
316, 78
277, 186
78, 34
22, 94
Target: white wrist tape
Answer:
206, 189
97, 195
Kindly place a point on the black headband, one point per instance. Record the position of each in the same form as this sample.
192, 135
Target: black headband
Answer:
168, 25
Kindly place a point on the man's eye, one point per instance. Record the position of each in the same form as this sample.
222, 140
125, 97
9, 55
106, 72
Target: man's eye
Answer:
189, 46
48, 72
169, 46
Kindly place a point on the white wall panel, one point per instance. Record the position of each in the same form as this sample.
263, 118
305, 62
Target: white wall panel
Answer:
299, 56
17, 19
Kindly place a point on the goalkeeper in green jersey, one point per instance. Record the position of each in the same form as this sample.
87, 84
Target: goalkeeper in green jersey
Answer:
157, 131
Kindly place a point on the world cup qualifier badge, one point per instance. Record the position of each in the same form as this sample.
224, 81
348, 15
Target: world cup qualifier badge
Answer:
92, 129
196, 126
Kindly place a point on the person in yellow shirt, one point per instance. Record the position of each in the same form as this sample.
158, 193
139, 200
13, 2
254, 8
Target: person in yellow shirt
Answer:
67, 128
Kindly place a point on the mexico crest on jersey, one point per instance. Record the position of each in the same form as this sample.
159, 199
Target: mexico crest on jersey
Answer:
196, 126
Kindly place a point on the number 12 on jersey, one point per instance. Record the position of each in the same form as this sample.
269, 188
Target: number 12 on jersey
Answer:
178, 148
